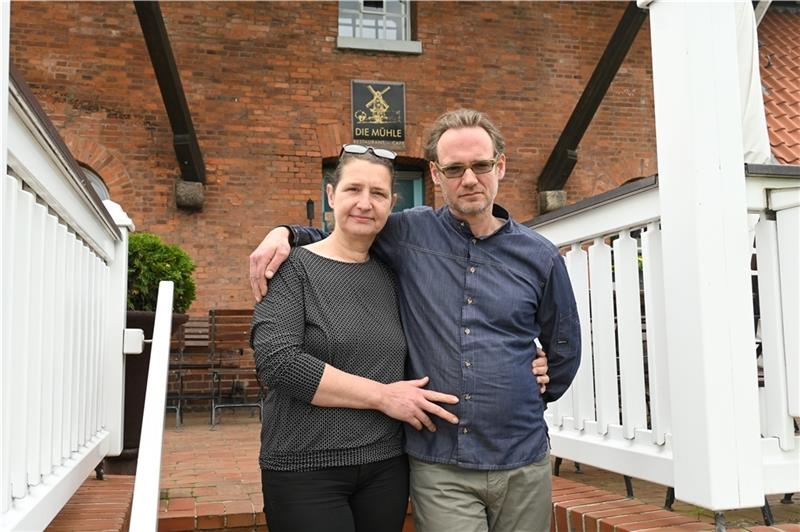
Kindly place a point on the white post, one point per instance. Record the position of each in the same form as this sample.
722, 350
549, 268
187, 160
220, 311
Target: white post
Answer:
114, 363
5, 286
711, 360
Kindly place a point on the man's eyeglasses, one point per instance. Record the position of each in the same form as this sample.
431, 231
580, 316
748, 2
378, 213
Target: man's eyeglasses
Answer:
453, 171
360, 149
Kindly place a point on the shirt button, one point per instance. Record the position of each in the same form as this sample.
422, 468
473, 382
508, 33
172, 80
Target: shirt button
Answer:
467, 396
474, 240
467, 331
472, 269
468, 364
465, 430
461, 224
469, 301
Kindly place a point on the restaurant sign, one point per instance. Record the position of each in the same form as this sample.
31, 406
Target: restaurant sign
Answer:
379, 111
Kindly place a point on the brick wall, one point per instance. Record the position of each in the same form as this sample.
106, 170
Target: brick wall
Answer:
269, 94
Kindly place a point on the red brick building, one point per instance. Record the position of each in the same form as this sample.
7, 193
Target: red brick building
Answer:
269, 90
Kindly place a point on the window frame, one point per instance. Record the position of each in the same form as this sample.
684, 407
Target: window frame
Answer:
96, 181
407, 45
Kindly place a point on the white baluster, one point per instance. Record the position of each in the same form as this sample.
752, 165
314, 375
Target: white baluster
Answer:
629, 334
95, 328
102, 309
776, 418
785, 203
76, 436
100, 325
70, 345
658, 378
605, 353
21, 341
49, 321
583, 385
36, 328
85, 346
10, 191
60, 339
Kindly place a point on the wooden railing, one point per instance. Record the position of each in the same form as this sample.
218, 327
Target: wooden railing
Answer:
64, 275
618, 413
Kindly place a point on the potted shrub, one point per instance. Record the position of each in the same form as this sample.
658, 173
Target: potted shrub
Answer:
150, 261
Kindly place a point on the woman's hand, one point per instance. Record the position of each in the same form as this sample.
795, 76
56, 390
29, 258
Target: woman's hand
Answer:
539, 368
410, 402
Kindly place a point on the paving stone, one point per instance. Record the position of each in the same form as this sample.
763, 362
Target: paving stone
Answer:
210, 480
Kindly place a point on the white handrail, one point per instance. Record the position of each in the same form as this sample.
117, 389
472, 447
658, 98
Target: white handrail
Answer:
144, 512
636, 209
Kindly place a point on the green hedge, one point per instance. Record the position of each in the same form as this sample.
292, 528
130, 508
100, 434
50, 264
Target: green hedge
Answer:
150, 261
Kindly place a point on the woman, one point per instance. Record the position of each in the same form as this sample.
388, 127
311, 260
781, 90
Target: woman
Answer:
329, 346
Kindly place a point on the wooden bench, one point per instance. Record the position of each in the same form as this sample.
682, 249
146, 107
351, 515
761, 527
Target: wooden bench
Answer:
229, 341
190, 353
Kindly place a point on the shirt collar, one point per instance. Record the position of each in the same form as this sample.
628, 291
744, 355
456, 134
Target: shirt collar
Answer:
463, 227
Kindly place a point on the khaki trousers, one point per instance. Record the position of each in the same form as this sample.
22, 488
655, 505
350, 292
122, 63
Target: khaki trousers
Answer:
451, 498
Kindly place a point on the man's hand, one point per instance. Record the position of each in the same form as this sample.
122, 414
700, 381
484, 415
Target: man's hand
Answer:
267, 258
539, 368
409, 402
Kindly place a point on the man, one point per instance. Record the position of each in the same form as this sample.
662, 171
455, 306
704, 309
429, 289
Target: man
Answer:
476, 289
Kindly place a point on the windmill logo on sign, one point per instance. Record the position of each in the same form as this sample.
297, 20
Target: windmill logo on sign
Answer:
378, 111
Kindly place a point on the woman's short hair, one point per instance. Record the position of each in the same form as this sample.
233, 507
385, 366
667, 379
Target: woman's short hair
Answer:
347, 158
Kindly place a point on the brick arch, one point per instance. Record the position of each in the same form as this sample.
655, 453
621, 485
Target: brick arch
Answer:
106, 165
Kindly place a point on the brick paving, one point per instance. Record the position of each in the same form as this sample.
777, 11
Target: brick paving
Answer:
98, 506
210, 477
210, 481
655, 494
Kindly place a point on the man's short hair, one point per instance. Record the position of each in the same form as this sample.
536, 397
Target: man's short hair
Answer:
461, 118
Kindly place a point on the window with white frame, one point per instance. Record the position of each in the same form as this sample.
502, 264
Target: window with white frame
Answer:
97, 183
376, 25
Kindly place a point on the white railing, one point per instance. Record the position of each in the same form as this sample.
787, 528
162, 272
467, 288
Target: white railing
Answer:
144, 511
777, 248
64, 275
618, 413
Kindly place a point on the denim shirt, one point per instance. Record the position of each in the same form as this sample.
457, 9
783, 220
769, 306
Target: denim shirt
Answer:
471, 308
